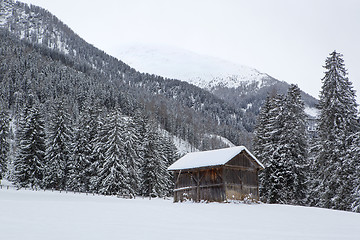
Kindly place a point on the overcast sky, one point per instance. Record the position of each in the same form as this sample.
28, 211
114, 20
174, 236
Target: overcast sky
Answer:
288, 39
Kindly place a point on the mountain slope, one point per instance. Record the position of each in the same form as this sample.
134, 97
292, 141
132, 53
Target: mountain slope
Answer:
202, 71
226, 107
239, 86
44, 215
183, 109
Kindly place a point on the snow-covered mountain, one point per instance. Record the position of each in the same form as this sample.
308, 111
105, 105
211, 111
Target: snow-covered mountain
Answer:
14, 14
239, 85
203, 71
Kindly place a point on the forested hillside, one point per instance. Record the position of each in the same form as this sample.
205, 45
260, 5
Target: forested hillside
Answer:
182, 109
67, 122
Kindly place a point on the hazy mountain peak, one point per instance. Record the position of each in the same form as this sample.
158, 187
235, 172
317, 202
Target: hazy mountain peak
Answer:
171, 62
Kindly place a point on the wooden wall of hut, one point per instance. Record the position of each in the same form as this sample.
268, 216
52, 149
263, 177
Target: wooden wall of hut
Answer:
199, 184
241, 178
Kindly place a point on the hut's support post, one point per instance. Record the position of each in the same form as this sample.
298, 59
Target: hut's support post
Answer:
223, 172
257, 184
198, 186
177, 176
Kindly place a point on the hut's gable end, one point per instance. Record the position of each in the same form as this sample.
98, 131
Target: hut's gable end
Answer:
242, 160
241, 177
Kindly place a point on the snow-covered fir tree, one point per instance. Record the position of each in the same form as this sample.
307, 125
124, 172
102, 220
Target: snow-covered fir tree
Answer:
266, 146
354, 153
293, 146
132, 157
29, 163
58, 147
82, 168
155, 177
4, 140
261, 138
281, 119
334, 167
113, 175
98, 139
169, 156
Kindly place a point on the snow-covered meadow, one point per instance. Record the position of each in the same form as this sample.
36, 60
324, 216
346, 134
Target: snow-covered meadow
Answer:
26, 214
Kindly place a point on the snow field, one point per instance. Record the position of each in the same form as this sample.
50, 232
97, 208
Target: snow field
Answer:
53, 215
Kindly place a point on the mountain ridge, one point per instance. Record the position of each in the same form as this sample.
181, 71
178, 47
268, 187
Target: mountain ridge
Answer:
176, 63
240, 86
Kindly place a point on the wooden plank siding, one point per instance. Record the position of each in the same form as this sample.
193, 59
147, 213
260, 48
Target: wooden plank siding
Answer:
235, 180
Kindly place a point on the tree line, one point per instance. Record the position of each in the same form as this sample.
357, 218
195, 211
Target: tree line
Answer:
324, 170
110, 154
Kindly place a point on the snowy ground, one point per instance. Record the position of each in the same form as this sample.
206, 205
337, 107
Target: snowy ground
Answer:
31, 215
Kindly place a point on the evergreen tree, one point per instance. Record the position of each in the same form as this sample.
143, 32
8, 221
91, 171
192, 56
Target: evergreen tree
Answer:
4, 144
58, 148
132, 159
169, 156
338, 121
354, 153
267, 147
155, 177
97, 138
280, 143
113, 172
29, 163
261, 138
293, 146
80, 169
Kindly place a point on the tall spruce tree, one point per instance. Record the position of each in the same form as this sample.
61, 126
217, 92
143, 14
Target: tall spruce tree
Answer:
113, 175
354, 153
58, 148
97, 139
293, 146
132, 157
4, 143
261, 138
280, 143
29, 163
169, 155
82, 149
268, 133
155, 177
338, 121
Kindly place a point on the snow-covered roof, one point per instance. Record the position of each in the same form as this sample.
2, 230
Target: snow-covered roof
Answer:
209, 158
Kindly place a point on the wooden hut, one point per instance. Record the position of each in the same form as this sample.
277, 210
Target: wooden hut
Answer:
217, 175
